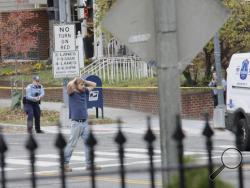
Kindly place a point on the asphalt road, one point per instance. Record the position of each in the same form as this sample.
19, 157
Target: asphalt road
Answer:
134, 126
47, 165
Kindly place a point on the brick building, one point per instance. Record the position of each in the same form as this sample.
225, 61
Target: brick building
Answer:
39, 7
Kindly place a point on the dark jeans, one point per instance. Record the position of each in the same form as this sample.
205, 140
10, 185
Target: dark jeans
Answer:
33, 111
215, 98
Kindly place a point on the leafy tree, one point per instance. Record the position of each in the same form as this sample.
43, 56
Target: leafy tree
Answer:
234, 35
102, 6
16, 35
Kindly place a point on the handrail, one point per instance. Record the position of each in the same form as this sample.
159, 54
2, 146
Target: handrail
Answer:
119, 68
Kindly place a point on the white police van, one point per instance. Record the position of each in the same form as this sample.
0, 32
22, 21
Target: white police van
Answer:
238, 97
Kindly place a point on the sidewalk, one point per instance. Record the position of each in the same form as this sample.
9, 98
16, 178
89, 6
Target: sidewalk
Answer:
133, 121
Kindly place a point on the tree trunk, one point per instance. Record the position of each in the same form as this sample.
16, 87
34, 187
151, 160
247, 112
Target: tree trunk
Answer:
208, 63
189, 80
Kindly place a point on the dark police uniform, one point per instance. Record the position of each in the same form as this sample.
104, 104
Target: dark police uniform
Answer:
32, 107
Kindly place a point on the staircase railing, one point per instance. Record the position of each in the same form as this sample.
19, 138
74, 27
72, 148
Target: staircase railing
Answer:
112, 69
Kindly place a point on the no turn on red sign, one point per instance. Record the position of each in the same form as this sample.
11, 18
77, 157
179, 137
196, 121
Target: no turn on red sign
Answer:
64, 36
65, 55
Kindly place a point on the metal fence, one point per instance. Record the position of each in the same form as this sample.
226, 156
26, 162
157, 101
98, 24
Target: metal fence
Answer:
120, 140
113, 69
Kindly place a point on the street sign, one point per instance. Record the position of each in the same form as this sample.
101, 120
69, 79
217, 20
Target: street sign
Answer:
64, 36
197, 22
66, 64
136, 28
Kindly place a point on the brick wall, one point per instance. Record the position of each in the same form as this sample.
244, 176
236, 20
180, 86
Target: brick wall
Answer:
51, 94
43, 36
145, 101
193, 104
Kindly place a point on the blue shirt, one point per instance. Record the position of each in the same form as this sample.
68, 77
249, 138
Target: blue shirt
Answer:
34, 91
214, 84
78, 105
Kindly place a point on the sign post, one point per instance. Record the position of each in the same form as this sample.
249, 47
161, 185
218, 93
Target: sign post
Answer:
170, 33
65, 60
65, 55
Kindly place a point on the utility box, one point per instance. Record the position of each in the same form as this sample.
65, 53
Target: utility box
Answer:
219, 117
95, 97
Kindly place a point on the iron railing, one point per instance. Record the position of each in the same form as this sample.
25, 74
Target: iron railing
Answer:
111, 69
120, 140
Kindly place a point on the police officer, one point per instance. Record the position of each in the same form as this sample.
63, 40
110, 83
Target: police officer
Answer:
213, 83
34, 93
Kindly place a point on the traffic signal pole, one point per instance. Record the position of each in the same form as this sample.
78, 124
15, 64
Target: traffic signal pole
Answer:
64, 17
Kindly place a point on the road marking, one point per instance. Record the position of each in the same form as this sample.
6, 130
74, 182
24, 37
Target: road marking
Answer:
27, 162
141, 150
101, 178
106, 159
117, 180
97, 159
127, 155
46, 173
10, 169
75, 157
125, 164
225, 146
67, 131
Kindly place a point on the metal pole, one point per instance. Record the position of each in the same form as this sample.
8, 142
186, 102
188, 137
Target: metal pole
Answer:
64, 17
56, 9
168, 79
62, 11
68, 11
217, 57
66, 80
219, 111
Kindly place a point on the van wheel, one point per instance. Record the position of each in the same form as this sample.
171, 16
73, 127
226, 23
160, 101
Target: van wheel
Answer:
244, 135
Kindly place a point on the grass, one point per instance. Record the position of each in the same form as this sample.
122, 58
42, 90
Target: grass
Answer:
27, 70
197, 178
47, 79
144, 82
101, 121
48, 118
18, 116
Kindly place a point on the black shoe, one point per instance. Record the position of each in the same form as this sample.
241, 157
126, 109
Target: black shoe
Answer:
40, 132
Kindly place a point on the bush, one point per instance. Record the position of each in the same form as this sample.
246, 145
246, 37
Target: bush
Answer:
7, 72
197, 178
39, 66
87, 62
